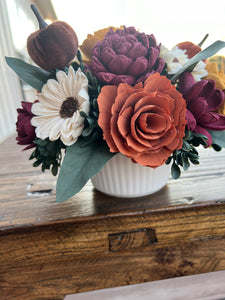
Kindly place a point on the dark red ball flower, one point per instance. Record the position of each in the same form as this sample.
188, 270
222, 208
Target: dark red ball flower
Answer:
126, 56
26, 132
202, 100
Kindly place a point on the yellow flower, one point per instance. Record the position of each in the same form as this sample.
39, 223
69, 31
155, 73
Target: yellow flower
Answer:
219, 78
91, 40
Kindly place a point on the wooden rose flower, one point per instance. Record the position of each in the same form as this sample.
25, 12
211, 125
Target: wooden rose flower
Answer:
145, 123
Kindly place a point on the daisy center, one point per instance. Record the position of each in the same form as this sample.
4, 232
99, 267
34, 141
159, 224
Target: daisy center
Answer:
69, 106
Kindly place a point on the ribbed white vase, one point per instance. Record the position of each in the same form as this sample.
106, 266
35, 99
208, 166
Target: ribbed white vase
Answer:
121, 177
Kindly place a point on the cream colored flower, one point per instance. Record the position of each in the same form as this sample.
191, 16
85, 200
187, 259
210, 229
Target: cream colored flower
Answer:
176, 58
57, 114
199, 71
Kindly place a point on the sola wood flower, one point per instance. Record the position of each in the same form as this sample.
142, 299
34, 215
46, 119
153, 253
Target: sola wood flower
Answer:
26, 132
90, 42
202, 100
176, 58
219, 77
145, 123
126, 56
58, 110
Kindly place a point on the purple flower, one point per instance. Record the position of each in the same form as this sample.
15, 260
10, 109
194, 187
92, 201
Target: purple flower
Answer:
26, 132
202, 100
126, 56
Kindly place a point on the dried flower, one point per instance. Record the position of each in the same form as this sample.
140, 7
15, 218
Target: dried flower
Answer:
202, 100
26, 132
144, 123
58, 110
126, 56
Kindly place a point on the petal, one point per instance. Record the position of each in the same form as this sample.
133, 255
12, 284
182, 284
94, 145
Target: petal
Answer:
198, 107
195, 91
213, 121
137, 50
186, 83
105, 101
153, 160
107, 55
138, 67
155, 82
215, 100
119, 64
191, 121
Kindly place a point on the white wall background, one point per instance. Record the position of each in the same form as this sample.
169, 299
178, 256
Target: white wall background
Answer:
171, 21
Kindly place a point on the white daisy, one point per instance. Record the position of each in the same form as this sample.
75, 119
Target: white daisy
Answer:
57, 114
176, 58
199, 71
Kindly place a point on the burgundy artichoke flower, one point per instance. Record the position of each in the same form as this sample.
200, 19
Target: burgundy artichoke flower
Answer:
126, 56
202, 100
26, 132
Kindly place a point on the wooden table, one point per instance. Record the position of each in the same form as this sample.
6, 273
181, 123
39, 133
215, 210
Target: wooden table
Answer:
93, 241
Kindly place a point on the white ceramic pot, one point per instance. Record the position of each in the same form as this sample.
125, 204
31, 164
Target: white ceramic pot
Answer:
120, 177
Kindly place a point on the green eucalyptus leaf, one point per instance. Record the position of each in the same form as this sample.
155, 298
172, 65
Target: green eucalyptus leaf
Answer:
216, 147
218, 137
168, 161
87, 131
32, 75
79, 165
175, 171
186, 146
194, 161
207, 52
185, 162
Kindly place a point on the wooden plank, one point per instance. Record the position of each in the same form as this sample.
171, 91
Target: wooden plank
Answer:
57, 279
94, 241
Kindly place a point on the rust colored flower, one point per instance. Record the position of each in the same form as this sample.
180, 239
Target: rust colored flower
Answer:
26, 132
145, 123
91, 40
190, 48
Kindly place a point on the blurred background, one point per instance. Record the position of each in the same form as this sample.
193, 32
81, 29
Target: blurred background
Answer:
171, 22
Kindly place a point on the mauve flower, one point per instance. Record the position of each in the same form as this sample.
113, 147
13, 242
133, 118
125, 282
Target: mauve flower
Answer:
26, 132
202, 100
145, 123
126, 56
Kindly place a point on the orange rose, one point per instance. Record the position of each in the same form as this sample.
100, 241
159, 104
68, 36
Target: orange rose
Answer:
145, 123
91, 40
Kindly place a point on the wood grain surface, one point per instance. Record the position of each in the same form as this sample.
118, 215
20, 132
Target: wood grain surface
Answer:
94, 241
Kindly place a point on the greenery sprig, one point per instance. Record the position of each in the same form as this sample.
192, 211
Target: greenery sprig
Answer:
92, 132
48, 154
187, 154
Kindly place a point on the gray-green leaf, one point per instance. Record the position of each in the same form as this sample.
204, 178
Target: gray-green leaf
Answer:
32, 75
79, 165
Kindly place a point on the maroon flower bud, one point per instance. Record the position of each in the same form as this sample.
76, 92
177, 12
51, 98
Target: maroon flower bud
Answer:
202, 99
126, 56
26, 132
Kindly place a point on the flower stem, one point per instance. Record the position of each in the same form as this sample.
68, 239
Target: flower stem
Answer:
42, 23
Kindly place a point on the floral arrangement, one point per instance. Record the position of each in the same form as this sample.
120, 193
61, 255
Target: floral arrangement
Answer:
119, 92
